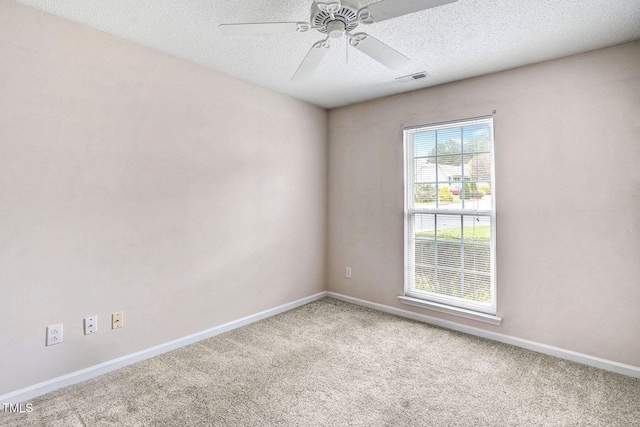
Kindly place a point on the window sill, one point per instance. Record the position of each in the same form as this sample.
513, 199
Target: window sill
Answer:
455, 311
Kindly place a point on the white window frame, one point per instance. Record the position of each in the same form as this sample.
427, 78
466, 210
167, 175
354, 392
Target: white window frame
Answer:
439, 302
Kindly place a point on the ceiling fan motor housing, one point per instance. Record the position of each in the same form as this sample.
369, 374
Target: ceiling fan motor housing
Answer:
343, 20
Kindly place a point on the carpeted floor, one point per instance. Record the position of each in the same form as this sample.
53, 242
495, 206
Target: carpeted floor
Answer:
330, 363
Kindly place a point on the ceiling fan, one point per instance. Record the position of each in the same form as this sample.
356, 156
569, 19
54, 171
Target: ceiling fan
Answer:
337, 19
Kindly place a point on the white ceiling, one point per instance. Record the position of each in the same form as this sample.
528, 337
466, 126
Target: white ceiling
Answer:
452, 42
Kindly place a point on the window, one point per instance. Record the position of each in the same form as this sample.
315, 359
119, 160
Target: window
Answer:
450, 215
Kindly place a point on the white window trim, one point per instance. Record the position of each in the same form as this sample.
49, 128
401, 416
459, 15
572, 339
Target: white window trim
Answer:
436, 302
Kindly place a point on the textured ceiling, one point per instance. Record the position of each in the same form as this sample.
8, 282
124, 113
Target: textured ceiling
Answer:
452, 42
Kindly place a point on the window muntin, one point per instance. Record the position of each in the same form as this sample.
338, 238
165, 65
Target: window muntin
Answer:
450, 214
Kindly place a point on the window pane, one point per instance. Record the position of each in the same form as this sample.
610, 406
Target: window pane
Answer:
425, 170
478, 167
449, 141
424, 225
449, 169
425, 252
477, 287
449, 283
475, 198
449, 196
477, 228
477, 257
449, 254
425, 279
476, 138
424, 194
449, 227
424, 144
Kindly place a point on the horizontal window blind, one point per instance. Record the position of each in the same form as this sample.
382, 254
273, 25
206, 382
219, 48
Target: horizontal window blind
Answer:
450, 214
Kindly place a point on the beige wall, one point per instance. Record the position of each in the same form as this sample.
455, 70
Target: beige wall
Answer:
130, 180
567, 137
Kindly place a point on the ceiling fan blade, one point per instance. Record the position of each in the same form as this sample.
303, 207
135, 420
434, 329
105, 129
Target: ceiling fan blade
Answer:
384, 54
312, 60
264, 28
387, 9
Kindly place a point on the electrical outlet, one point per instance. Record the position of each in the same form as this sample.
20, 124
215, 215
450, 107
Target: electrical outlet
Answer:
90, 325
348, 273
117, 320
54, 334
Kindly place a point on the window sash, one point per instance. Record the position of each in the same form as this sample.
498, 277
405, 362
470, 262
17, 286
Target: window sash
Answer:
465, 272
411, 211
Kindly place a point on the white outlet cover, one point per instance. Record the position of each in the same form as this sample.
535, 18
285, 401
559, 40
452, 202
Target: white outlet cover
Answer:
90, 325
54, 334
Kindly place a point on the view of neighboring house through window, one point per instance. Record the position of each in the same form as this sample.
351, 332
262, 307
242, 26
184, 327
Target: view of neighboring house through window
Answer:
450, 214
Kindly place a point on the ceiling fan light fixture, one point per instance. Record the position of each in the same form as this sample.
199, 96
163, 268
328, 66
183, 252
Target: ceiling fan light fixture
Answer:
336, 29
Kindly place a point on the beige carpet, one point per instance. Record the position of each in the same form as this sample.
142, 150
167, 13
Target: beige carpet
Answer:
330, 363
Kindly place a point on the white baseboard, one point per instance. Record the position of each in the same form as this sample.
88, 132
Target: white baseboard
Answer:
36, 390
596, 362
39, 389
